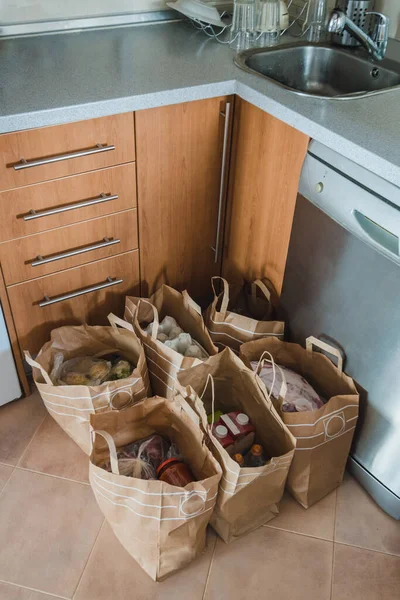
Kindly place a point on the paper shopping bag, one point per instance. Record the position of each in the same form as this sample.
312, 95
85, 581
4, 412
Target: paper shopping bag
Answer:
235, 317
324, 435
164, 363
162, 526
248, 497
72, 405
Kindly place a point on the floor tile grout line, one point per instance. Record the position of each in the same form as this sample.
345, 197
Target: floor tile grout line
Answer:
7, 482
52, 475
30, 441
3, 464
335, 514
334, 536
333, 568
308, 535
382, 552
209, 569
24, 587
88, 558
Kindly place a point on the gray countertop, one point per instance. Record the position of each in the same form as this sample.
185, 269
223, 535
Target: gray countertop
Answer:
55, 79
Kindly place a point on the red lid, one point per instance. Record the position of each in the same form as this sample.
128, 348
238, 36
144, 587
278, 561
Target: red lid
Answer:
169, 461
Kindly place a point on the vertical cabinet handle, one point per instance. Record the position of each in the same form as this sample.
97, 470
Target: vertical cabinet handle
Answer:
226, 116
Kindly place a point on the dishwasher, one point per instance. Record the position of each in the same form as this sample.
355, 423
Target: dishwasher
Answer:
342, 283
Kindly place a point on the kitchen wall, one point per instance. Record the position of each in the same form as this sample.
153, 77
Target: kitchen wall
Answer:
17, 11
392, 9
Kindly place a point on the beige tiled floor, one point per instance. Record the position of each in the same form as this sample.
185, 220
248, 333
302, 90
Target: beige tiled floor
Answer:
54, 543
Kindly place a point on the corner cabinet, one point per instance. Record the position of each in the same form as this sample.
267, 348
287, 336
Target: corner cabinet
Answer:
182, 167
267, 158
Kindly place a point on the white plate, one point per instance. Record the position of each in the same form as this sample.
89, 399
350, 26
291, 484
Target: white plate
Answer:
187, 8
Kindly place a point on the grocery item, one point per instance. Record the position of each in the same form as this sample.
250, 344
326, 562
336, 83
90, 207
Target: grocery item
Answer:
120, 370
239, 459
300, 396
170, 334
241, 429
88, 370
255, 456
175, 472
222, 435
238, 424
214, 417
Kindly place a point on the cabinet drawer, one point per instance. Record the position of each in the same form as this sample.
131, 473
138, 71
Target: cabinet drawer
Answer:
34, 323
58, 249
53, 152
68, 200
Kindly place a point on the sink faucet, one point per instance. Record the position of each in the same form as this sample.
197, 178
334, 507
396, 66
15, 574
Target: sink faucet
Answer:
376, 44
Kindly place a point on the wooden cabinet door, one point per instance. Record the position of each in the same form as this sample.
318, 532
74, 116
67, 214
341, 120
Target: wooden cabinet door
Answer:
265, 170
180, 151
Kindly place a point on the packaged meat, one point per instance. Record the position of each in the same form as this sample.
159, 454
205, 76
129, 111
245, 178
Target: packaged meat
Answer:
300, 396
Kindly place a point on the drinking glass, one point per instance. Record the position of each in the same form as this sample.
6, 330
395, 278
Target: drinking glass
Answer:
268, 22
243, 24
316, 20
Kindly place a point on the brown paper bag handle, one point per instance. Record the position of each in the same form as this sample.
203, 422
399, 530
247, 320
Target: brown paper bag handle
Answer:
115, 321
263, 359
261, 286
188, 301
111, 447
210, 379
225, 298
35, 364
313, 341
154, 329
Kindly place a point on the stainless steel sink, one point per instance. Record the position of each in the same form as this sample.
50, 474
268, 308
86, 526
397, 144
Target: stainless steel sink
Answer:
322, 70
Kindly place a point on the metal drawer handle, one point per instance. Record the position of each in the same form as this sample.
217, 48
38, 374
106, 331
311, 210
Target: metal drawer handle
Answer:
92, 288
48, 259
222, 181
33, 214
27, 164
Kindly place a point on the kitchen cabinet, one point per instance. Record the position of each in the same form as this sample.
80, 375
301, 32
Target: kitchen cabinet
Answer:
168, 203
68, 227
182, 160
267, 157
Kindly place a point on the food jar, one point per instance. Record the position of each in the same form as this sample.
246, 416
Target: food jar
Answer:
175, 472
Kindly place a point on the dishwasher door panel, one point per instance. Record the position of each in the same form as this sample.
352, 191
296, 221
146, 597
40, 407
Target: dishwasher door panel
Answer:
339, 286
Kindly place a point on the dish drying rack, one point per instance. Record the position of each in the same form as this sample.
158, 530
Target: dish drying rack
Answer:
220, 35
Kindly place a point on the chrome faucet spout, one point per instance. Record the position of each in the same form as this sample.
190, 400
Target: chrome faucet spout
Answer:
376, 45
